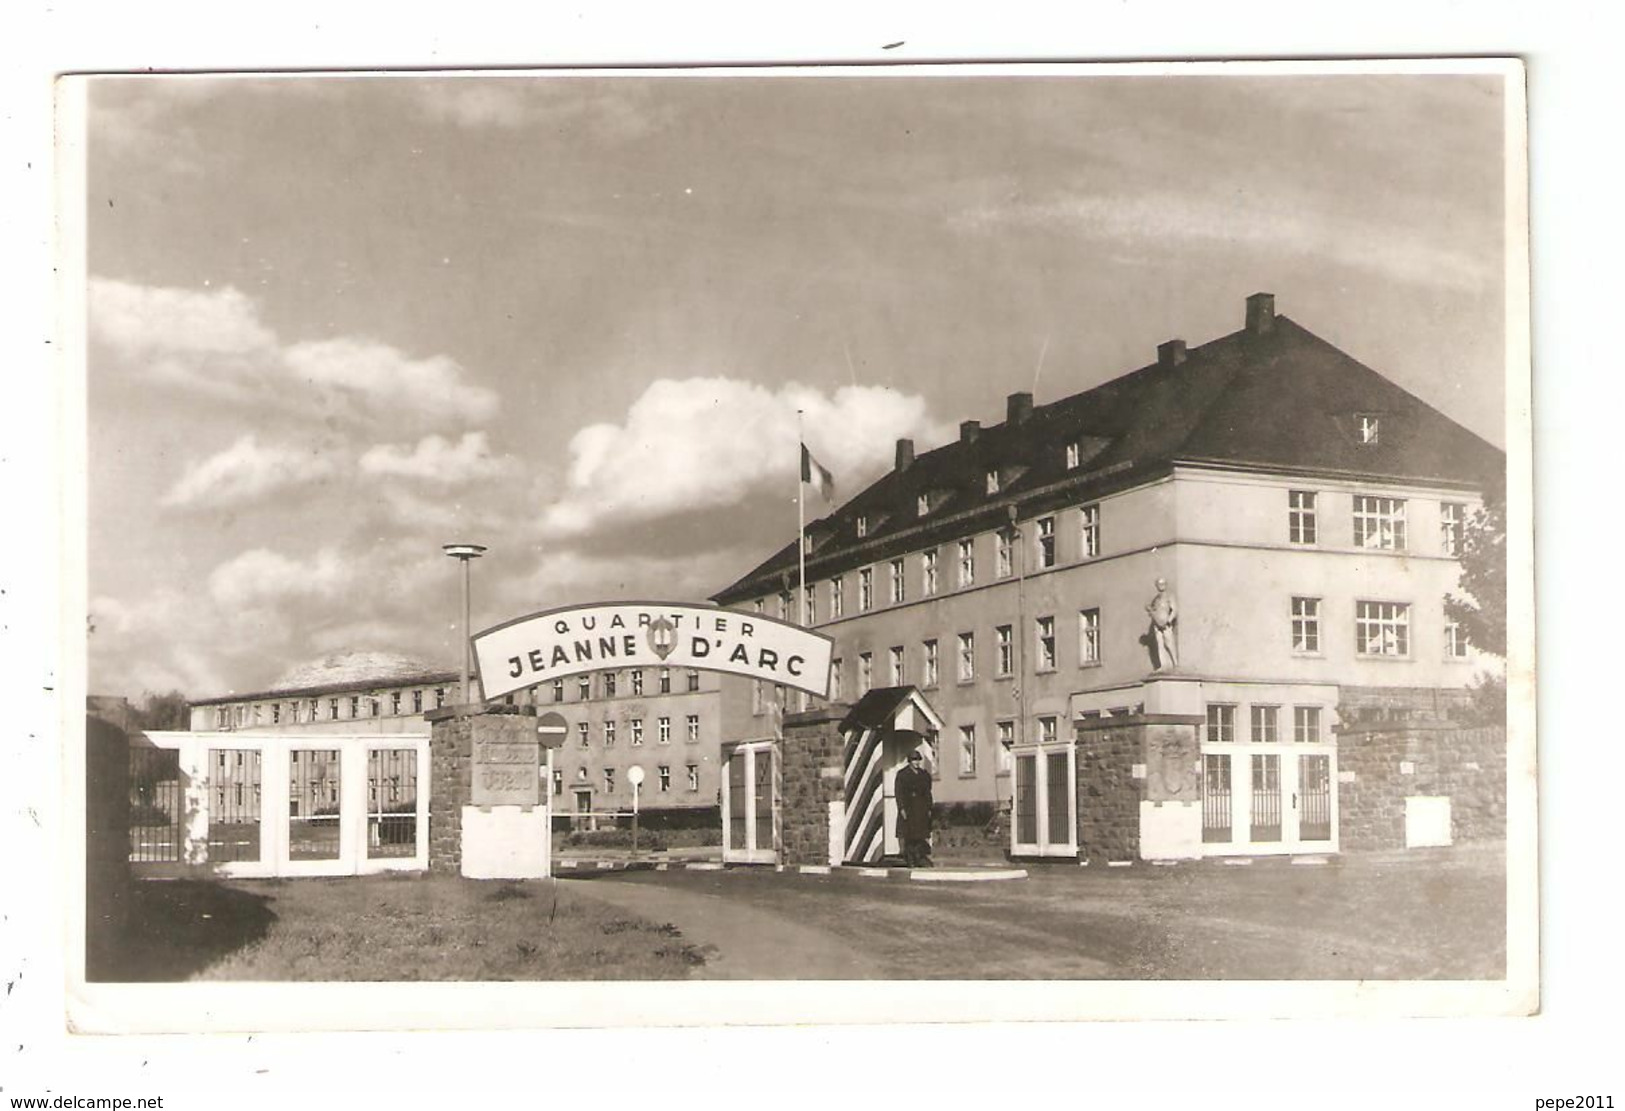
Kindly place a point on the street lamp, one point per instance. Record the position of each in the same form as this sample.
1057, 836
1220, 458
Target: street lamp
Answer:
464, 553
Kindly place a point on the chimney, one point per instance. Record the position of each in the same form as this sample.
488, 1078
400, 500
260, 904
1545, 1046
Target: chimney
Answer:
1260, 313
969, 430
1018, 407
1170, 354
905, 454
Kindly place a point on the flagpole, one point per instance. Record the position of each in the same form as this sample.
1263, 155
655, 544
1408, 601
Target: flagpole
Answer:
801, 519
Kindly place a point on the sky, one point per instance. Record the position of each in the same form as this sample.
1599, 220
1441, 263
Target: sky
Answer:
337, 322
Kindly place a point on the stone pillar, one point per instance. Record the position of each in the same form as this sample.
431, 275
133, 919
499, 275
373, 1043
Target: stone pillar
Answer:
107, 835
813, 776
489, 814
1139, 790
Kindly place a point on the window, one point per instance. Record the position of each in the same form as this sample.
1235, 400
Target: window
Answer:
922, 505
581, 775
663, 730
1007, 740
1074, 456
693, 728
558, 781
1300, 517
1382, 628
609, 734
1004, 553
609, 684
355, 705
693, 681
928, 572
1044, 630
928, 673
1221, 723
866, 589
664, 772
375, 706
1368, 428
1088, 637
636, 725
1306, 625
898, 592
837, 596
417, 705
665, 680
1264, 724
863, 526
993, 482
1046, 731
760, 605
1046, 542
1089, 531
1452, 519
933, 741
809, 601
894, 655
693, 777
967, 657
1379, 523
276, 711
609, 780
637, 681
866, 672
1455, 641
784, 605
332, 709
1006, 645
836, 687
315, 706
967, 750
582, 729
1306, 724
584, 687
967, 563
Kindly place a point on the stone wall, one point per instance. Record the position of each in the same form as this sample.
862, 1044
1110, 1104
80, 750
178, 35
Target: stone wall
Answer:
1108, 792
451, 777
1380, 764
812, 776
107, 834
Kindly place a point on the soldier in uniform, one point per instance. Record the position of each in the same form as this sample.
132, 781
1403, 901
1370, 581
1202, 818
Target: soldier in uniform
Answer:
912, 790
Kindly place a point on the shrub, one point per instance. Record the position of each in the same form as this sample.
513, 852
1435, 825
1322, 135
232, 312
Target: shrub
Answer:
653, 841
973, 815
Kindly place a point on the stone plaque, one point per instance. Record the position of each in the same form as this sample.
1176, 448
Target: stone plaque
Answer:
505, 772
1171, 764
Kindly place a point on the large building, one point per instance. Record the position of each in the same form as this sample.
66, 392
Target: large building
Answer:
665, 720
1305, 513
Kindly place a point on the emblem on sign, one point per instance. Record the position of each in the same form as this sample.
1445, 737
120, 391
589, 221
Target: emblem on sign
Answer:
662, 637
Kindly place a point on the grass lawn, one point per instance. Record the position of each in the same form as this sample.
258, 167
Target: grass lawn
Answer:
392, 927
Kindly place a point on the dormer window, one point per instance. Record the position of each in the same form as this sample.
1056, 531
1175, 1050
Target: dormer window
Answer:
1368, 427
1074, 455
863, 526
922, 504
993, 482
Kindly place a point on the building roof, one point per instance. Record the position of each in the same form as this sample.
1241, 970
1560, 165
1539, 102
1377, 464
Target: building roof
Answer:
344, 671
1272, 397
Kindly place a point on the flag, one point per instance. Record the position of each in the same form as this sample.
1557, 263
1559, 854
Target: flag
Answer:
817, 474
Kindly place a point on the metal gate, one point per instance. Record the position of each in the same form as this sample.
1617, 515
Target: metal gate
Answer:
247, 804
1269, 798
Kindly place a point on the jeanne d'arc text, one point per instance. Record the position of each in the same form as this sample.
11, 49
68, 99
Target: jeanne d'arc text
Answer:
560, 643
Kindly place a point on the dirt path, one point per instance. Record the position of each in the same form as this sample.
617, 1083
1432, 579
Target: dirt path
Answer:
740, 942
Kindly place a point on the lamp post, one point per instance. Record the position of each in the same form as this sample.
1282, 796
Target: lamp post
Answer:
463, 553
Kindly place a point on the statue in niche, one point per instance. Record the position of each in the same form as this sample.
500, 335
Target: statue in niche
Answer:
1164, 616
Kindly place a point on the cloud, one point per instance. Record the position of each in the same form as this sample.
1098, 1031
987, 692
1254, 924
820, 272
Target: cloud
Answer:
261, 578
214, 341
700, 443
610, 108
1244, 219
245, 472
437, 459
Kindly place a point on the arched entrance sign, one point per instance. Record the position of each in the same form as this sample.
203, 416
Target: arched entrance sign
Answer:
556, 644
